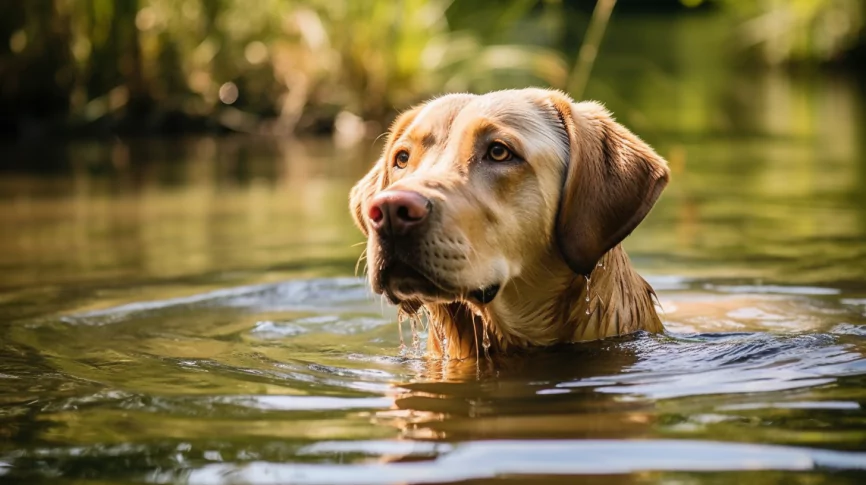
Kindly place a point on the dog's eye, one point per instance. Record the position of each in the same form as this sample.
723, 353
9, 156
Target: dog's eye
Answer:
499, 152
402, 159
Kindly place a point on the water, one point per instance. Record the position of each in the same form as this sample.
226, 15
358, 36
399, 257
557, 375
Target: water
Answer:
185, 311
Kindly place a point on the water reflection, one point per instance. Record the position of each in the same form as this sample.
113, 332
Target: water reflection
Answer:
159, 209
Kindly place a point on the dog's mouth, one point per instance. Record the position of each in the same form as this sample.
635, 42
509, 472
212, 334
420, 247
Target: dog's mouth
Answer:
485, 295
401, 282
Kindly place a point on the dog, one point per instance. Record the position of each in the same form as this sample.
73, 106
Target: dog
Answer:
501, 215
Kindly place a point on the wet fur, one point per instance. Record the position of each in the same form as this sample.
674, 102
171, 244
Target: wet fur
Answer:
540, 226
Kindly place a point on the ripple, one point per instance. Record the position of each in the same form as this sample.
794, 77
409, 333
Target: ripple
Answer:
728, 364
773, 289
854, 301
849, 329
484, 460
377, 448
270, 329
306, 403
833, 405
297, 295
669, 282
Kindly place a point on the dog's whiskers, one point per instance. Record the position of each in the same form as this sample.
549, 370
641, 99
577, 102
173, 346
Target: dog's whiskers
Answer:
362, 257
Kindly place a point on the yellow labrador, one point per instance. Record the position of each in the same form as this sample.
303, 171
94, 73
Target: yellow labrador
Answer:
502, 215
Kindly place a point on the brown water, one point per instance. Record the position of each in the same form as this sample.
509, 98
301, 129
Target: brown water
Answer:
185, 311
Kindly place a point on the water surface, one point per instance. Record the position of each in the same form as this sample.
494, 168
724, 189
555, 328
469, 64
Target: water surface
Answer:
185, 311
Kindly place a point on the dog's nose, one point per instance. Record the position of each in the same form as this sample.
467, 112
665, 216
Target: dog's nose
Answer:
396, 212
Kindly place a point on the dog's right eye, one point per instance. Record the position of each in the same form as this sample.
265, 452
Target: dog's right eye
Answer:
498, 152
402, 159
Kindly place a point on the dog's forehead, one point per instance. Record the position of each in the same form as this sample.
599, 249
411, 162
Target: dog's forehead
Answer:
523, 111
435, 118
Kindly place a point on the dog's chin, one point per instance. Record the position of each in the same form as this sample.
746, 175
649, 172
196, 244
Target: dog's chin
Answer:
402, 283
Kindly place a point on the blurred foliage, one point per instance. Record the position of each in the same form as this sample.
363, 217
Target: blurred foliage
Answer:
309, 65
269, 57
784, 31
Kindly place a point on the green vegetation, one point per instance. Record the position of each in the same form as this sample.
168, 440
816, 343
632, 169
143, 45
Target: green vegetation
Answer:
800, 31
284, 66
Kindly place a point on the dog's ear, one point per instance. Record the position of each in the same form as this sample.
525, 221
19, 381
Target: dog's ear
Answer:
362, 192
611, 182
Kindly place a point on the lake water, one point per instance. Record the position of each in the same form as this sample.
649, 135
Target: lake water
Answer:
186, 311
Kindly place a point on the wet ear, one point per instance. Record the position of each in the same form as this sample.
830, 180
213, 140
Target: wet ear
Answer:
612, 181
362, 192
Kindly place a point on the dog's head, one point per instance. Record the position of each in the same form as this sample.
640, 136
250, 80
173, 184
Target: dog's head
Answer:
472, 190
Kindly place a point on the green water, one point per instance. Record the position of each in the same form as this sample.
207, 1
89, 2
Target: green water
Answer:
185, 311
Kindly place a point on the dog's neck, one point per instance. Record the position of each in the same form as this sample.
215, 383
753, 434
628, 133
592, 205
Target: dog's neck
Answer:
548, 305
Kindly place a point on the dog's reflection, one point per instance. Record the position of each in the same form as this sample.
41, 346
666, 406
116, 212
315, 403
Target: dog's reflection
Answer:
541, 394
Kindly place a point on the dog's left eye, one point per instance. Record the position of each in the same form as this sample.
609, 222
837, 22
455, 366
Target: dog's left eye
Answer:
402, 159
499, 152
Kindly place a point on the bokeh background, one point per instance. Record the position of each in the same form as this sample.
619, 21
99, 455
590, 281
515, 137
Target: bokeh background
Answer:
101, 67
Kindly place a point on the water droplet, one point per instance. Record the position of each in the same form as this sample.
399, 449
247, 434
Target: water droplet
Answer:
402, 348
485, 341
416, 341
587, 298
